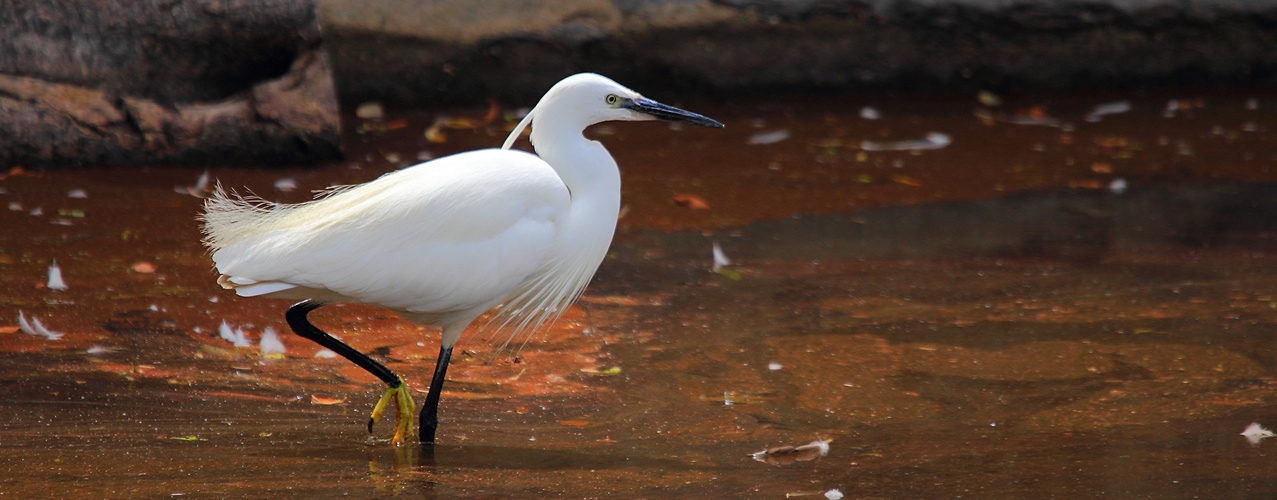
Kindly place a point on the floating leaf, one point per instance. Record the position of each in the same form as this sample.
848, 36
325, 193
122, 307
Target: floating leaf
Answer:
690, 201
906, 180
785, 455
771, 137
317, 400
574, 423
729, 273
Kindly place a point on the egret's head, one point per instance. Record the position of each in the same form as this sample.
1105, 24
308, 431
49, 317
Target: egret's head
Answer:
588, 98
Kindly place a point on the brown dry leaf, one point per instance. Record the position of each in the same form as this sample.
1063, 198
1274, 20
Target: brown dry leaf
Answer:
785, 455
574, 423
690, 201
906, 180
317, 400
1033, 112
435, 133
1085, 184
144, 267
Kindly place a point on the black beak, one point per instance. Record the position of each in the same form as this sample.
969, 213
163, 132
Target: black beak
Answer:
668, 113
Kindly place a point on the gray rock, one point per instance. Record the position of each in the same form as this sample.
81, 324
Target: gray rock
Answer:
449, 50
97, 81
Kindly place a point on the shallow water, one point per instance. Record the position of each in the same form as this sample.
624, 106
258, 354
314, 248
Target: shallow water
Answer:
993, 319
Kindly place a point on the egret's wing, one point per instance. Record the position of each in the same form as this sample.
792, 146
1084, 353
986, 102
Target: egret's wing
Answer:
447, 235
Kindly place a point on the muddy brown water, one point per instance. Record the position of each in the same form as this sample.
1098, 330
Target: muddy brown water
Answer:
1067, 309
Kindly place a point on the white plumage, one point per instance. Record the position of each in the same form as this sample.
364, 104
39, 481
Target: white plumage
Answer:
444, 241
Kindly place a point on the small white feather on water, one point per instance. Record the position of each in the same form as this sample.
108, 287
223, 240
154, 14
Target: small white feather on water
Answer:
834, 494
1255, 433
77, 193
35, 327
55, 278
197, 190
933, 140
270, 343
869, 113
234, 336
720, 258
771, 137
1111, 108
325, 354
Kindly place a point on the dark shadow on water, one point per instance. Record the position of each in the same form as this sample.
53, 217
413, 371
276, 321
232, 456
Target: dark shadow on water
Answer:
474, 457
1070, 226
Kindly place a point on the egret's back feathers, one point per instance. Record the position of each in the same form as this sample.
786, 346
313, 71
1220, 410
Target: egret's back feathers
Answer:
433, 241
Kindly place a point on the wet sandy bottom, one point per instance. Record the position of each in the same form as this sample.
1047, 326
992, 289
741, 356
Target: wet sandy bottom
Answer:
985, 320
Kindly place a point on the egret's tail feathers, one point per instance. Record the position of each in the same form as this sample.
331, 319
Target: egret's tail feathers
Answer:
245, 287
229, 217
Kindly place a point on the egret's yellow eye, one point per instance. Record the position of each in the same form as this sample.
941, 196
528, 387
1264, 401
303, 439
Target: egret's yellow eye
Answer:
612, 99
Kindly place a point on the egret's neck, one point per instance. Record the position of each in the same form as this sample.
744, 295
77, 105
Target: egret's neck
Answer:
585, 166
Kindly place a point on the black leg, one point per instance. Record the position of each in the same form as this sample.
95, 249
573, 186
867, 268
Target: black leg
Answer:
430, 412
296, 317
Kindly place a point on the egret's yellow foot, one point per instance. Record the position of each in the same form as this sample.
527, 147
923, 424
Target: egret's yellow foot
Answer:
404, 409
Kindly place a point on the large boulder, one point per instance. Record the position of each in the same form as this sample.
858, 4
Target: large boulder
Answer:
108, 82
428, 51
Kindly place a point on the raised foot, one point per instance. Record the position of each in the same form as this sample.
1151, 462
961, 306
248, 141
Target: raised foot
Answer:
404, 408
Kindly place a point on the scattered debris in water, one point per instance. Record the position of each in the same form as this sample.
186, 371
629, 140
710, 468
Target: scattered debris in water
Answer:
198, 190
785, 455
234, 336
869, 113
771, 137
775, 366
325, 354
690, 201
98, 349
1117, 186
371, 110
988, 98
933, 140
833, 494
270, 344
286, 184
77, 193
55, 278
36, 328
1255, 433
319, 400
720, 258
1112, 108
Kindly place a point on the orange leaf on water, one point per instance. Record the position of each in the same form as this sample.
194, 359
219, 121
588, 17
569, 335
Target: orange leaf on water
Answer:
144, 267
326, 401
690, 201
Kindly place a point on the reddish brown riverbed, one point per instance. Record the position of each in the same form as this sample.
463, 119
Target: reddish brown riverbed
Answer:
1063, 309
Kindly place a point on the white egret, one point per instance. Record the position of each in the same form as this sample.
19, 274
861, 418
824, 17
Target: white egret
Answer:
442, 242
